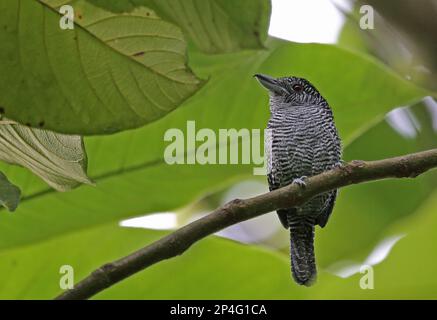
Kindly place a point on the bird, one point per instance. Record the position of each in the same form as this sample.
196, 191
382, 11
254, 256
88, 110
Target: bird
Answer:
301, 141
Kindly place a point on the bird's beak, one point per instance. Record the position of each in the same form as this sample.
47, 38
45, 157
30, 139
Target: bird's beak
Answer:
269, 83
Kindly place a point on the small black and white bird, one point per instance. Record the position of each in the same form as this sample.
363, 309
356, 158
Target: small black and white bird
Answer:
301, 141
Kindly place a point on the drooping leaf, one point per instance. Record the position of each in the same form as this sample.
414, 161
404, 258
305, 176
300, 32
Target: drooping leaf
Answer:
60, 160
111, 72
9, 193
214, 26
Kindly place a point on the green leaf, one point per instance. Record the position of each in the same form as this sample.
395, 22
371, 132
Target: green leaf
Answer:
214, 26
408, 271
131, 175
9, 193
60, 160
209, 264
110, 73
351, 35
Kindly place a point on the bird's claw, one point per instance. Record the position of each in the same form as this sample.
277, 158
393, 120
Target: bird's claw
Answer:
300, 181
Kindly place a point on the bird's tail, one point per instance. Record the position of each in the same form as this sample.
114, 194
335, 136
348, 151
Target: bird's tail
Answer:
303, 264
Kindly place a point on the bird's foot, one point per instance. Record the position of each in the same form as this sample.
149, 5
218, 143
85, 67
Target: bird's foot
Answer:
339, 164
300, 181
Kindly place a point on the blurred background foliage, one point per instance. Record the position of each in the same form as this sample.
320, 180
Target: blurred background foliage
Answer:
381, 85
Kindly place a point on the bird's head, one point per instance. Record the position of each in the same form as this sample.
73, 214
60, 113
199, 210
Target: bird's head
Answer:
292, 91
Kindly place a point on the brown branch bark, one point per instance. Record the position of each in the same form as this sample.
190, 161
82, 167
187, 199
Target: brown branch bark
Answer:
238, 210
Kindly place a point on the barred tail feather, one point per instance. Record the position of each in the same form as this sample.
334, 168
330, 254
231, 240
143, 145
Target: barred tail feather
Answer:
303, 265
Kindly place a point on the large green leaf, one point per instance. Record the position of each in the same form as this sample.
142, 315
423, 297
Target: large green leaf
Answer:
60, 160
131, 176
210, 269
111, 72
408, 272
214, 26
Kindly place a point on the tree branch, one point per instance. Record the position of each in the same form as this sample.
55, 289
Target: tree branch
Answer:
238, 210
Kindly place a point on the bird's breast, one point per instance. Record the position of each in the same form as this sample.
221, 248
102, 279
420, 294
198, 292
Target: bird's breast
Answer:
301, 142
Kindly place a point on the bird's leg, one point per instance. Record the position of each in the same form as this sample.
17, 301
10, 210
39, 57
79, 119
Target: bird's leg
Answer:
300, 181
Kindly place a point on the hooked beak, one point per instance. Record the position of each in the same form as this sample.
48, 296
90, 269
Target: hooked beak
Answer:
269, 83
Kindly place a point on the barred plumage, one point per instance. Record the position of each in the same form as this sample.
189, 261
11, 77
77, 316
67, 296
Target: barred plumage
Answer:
302, 141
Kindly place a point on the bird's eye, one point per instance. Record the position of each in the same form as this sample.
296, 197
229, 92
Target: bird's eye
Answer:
297, 87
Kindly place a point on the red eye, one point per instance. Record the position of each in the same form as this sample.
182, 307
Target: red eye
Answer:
297, 88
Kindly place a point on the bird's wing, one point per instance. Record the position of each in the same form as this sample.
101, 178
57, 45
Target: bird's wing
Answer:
327, 158
282, 213
281, 173
323, 218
